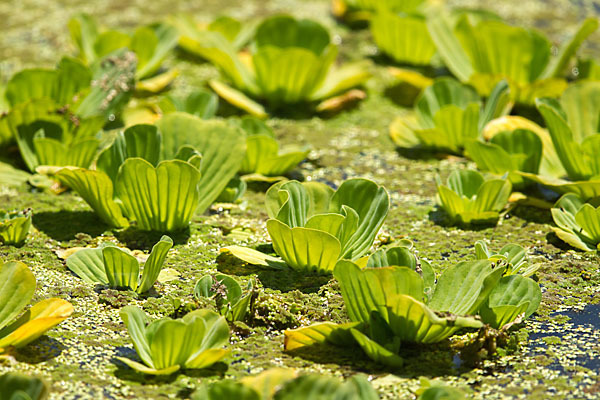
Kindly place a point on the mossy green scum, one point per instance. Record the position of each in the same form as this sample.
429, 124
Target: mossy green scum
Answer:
77, 358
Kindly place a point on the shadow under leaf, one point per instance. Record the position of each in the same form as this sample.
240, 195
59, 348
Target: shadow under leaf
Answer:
135, 238
276, 279
65, 225
41, 350
439, 217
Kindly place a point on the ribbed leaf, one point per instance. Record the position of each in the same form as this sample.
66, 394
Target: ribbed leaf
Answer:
154, 263
405, 38
585, 189
588, 220
449, 47
320, 387
96, 188
40, 318
88, 264
238, 99
294, 202
17, 285
54, 153
136, 141
290, 75
513, 295
303, 249
15, 228
413, 321
84, 31
492, 196
462, 288
122, 269
215, 140
567, 148
136, 320
366, 290
262, 157
375, 351
154, 50
581, 105
443, 92
160, 199
323, 332
371, 202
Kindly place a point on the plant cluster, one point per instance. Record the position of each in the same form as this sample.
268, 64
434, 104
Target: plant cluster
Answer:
104, 125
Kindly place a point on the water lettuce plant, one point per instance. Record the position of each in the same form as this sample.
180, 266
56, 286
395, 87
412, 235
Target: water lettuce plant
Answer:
271, 75
285, 384
151, 45
18, 286
387, 306
577, 222
449, 115
312, 226
14, 386
165, 345
484, 51
118, 268
513, 255
227, 294
468, 198
55, 114
186, 157
573, 126
14, 226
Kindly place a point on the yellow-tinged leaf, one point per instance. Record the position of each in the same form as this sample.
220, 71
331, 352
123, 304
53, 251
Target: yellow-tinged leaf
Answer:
316, 333
262, 178
64, 254
168, 275
269, 381
254, 257
207, 358
34, 323
411, 77
147, 370
402, 131
238, 99
156, 83
342, 101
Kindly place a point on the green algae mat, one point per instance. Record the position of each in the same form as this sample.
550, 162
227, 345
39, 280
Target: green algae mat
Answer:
392, 202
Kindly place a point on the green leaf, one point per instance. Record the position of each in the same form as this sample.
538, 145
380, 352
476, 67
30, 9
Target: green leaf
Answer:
227, 389
281, 82
160, 199
449, 47
238, 99
462, 288
405, 38
136, 141
413, 321
286, 31
262, 157
154, 263
322, 332
84, 31
136, 320
154, 43
96, 188
319, 387
53, 153
293, 204
366, 290
88, 264
556, 68
11, 176
122, 269
14, 227
512, 297
371, 202
110, 41
200, 102
21, 387
18, 286
341, 79
215, 140
375, 351
304, 249
114, 77
441, 393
